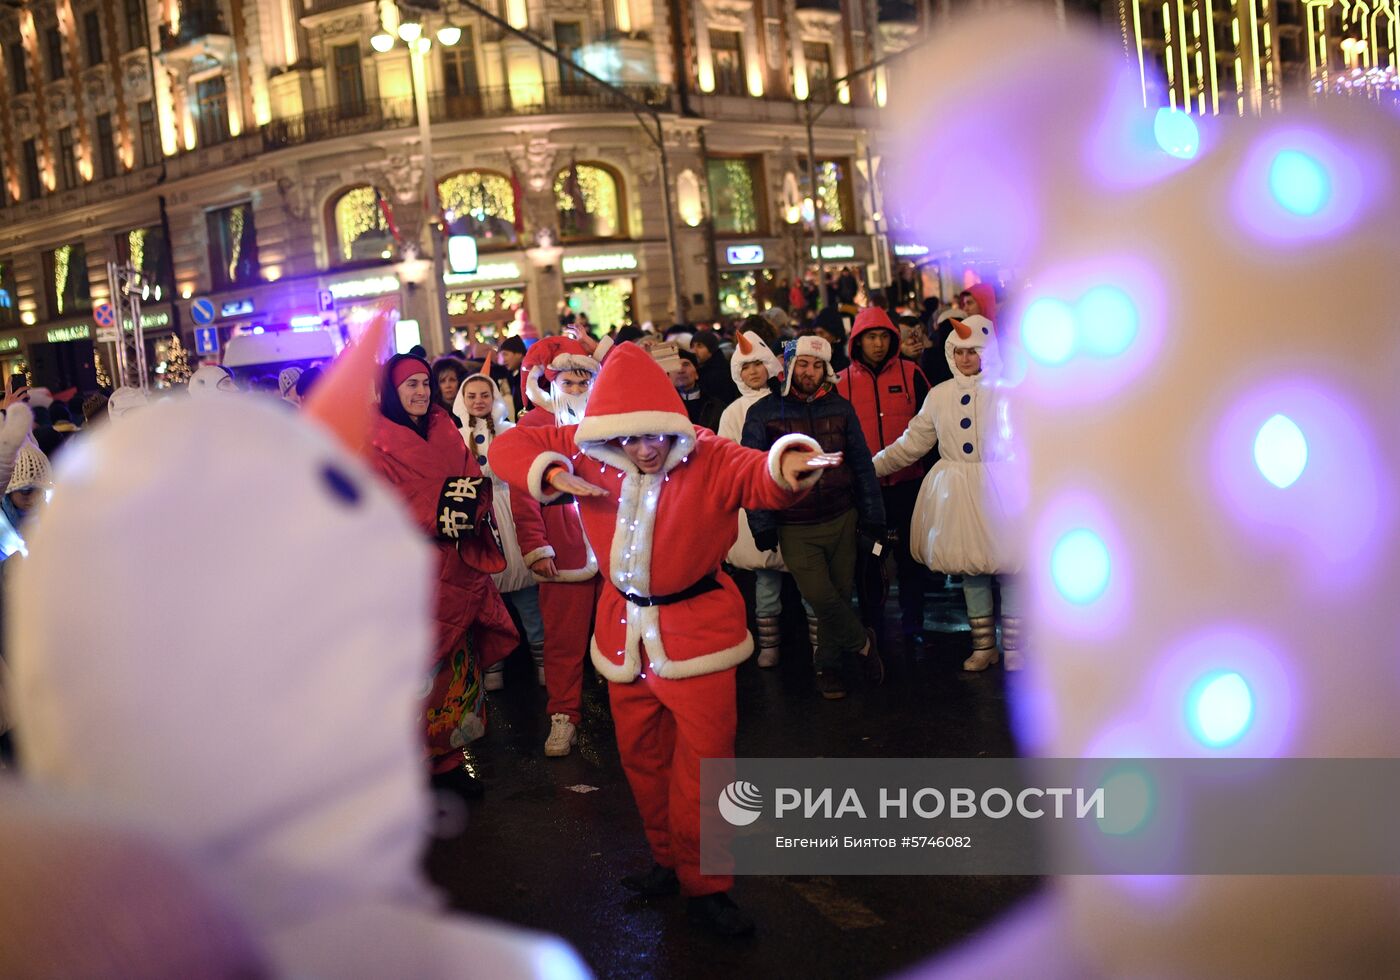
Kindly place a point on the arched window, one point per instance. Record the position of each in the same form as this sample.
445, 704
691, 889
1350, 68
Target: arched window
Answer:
360, 227
588, 198
481, 204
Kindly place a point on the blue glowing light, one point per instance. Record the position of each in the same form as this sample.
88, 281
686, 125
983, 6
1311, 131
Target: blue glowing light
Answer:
1176, 133
1219, 709
1280, 451
1047, 331
1299, 183
1108, 320
1079, 565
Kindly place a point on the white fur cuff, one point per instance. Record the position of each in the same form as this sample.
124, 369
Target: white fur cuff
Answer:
534, 480
537, 554
792, 441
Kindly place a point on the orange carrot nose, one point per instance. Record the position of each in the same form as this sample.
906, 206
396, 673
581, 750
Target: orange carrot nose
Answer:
964, 331
344, 400
745, 345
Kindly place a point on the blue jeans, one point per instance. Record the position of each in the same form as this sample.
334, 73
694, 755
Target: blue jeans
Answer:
767, 593
527, 606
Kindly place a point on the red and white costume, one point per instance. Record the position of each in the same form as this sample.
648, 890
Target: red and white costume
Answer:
670, 657
551, 529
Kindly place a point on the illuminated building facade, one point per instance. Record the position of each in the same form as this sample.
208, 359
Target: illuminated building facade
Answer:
265, 154
1248, 56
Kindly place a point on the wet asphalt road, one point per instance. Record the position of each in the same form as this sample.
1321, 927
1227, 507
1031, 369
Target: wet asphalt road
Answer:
547, 844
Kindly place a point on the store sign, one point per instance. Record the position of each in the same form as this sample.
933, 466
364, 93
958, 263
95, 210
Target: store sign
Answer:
486, 272
61, 335
906, 251
370, 286
744, 254
237, 307
575, 265
9, 343
835, 251
306, 321
150, 321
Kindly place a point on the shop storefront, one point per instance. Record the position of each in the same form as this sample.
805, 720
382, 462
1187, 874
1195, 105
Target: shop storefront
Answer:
602, 285
918, 273
12, 357
748, 277
481, 305
356, 299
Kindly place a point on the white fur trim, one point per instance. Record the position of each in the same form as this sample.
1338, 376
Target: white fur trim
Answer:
534, 479
535, 393
792, 441
533, 556
596, 431
573, 362
574, 574
706, 663
600, 353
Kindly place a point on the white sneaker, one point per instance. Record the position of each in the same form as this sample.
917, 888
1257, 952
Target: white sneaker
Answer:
494, 680
562, 735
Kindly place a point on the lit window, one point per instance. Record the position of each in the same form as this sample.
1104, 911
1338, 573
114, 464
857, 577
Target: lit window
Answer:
735, 200
480, 204
361, 228
588, 202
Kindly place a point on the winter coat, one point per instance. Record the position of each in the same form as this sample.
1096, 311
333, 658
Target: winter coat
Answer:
962, 520
885, 397
693, 527
745, 553
466, 599
551, 530
703, 409
830, 419
478, 437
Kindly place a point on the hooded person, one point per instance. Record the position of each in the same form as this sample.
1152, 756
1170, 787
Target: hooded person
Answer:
959, 524
660, 499
552, 542
886, 391
124, 401
983, 301
414, 446
281, 753
831, 325
484, 415
934, 362
754, 367
210, 378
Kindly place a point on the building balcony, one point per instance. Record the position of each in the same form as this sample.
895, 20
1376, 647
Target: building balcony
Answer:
196, 22
388, 114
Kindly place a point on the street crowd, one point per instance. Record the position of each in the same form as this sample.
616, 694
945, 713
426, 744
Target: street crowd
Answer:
592, 497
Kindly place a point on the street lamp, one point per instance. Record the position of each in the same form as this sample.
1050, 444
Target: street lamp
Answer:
410, 31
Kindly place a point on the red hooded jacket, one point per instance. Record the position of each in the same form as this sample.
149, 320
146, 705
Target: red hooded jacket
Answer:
887, 398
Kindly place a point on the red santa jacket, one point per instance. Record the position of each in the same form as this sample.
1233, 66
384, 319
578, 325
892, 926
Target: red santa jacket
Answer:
552, 530
466, 599
657, 535
887, 399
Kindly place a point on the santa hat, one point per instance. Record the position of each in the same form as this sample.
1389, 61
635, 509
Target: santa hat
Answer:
633, 396
809, 346
974, 333
750, 347
549, 357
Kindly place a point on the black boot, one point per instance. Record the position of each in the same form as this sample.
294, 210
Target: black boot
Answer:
656, 883
464, 780
718, 914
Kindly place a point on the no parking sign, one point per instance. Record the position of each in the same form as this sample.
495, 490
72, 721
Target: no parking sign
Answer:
106, 319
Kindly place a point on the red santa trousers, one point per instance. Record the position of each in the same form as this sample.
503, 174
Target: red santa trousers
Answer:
664, 728
567, 611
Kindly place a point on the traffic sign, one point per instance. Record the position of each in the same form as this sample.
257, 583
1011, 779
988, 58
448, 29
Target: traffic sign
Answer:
202, 311
104, 315
206, 340
325, 302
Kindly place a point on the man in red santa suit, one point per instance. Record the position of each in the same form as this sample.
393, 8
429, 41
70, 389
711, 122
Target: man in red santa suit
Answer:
551, 538
659, 500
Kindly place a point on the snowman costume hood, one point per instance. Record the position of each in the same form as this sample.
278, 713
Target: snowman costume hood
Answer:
548, 358
280, 750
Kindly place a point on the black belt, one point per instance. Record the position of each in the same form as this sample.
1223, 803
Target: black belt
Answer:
707, 584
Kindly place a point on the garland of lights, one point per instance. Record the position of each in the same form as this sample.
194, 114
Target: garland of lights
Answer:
177, 362
829, 190
60, 274
236, 223
357, 214
480, 196
598, 190
734, 182
136, 248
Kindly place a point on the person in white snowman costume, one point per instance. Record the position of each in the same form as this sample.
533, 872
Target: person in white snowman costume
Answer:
961, 525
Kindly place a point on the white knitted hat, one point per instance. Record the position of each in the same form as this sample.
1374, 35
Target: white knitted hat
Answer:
31, 470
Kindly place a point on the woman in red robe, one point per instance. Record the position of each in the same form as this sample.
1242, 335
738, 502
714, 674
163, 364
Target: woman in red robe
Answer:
415, 445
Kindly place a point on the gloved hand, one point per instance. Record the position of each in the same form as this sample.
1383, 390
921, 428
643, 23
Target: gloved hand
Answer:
875, 532
767, 540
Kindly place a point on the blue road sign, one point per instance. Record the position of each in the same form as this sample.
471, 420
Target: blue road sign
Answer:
104, 315
202, 310
325, 302
206, 341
